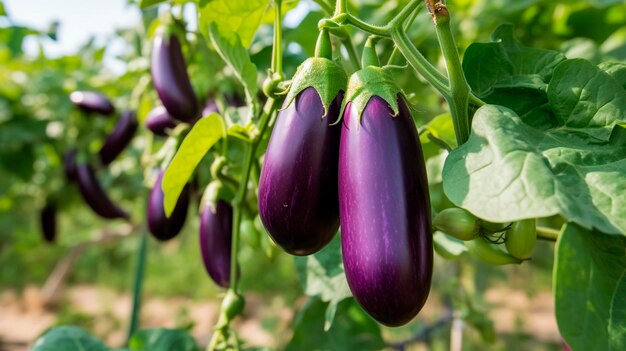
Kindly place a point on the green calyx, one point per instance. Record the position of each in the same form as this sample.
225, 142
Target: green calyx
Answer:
373, 81
324, 75
214, 192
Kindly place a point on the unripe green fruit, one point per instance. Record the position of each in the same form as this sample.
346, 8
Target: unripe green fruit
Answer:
521, 238
458, 223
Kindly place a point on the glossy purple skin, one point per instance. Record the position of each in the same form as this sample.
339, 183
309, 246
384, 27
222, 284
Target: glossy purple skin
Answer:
386, 235
298, 201
92, 102
48, 222
69, 165
119, 138
169, 75
216, 235
162, 227
159, 121
94, 194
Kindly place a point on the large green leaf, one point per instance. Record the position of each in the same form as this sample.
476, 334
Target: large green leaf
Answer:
509, 170
238, 59
204, 134
353, 329
322, 275
234, 18
68, 338
161, 339
588, 267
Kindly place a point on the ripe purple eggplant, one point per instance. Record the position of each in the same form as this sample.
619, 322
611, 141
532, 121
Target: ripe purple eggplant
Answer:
210, 107
386, 235
298, 201
119, 138
69, 165
92, 102
94, 195
159, 121
169, 75
162, 227
216, 235
48, 218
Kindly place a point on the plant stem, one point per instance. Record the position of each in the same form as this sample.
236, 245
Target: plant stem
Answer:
341, 6
548, 234
458, 101
277, 49
137, 284
326, 7
352, 55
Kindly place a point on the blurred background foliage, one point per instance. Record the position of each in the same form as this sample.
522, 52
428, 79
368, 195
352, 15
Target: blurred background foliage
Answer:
38, 124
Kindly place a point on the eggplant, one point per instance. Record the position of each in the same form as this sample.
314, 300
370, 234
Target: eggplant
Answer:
92, 102
384, 209
94, 195
119, 138
69, 165
48, 219
170, 79
216, 235
162, 227
159, 121
298, 200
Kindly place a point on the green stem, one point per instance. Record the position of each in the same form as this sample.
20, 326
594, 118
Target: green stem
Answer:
458, 84
548, 234
137, 284
341, 6
419, 62
352, 54
369, 56
277, 50
394, 58
326, 7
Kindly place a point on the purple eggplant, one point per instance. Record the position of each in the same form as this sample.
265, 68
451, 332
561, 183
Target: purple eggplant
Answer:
92, 102
298, 201
95, 196
162, 227
216, 235
159, 121
386, 235
48, 218
69, 165
119, 138
169, 75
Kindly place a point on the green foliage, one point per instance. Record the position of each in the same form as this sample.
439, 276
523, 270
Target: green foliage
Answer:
587, 273
352, 330
161, 339
233, 18
203, 135
68, 339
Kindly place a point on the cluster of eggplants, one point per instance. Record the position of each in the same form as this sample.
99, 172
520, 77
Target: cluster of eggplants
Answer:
170, 79
48, 220
216, 227
119, 138
298, 201
160, 226
92, 102
384, 211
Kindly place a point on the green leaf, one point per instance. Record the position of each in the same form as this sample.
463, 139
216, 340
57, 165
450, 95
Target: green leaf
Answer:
588, 266
326, 76
68, 338
505, 64
234, 18
322, 275
586, 99
509, 171
161, 339
238, 59
617, 323
448, 247
616, 70
203, 135
353, 330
